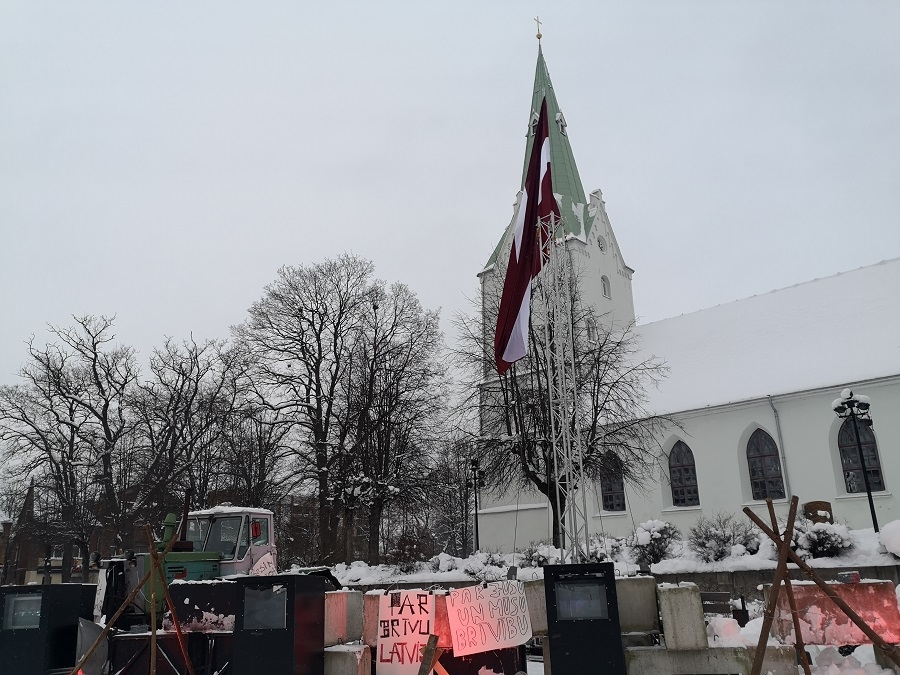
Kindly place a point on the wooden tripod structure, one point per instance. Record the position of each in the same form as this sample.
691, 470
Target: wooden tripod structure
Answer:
782, 575
158, 570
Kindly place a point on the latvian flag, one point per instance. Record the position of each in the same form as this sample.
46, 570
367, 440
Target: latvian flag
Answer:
535, 209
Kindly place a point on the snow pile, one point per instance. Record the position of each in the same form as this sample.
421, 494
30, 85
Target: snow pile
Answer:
725, 632
208, 623
830, 662
890, 537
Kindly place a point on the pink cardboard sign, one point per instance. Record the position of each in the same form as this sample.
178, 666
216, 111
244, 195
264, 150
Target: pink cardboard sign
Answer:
405, 620
488, 617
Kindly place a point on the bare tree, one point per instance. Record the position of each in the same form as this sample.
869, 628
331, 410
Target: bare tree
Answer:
300, 336
617, 431
451, 498
180, 413
64, 423
395, 396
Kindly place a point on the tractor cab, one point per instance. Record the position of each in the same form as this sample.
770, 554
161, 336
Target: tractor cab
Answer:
243, 538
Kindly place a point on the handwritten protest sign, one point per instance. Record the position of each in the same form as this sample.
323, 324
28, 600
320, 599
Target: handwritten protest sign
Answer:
405, 620
488, 617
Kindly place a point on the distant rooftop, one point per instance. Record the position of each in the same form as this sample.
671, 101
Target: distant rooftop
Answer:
825, 332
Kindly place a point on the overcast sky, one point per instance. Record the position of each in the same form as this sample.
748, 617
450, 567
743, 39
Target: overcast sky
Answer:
159, 161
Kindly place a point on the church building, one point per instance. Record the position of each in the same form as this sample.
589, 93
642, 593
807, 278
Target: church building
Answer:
750, 386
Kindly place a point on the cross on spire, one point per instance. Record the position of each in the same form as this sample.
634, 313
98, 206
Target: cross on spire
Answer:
537, 20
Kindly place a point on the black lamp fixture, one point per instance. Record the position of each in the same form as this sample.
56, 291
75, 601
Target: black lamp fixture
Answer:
857, 409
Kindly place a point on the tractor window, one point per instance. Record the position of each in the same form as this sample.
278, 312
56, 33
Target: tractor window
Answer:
245, 540
196, 532
259, 531
223, 536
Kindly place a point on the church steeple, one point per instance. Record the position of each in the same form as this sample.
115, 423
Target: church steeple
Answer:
566, 181
604, 278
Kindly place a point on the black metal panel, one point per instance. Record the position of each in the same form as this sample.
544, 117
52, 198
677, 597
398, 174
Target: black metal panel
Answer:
206, 606
499, 661
39, 626
583, 619
280, 625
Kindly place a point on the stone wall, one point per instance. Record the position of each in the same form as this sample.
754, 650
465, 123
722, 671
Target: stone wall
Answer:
748, 583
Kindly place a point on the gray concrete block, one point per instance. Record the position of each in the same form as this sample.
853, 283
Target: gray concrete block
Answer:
348, 660
637, 604
660, 661
682, 617
343, 617
537, 606
370, 619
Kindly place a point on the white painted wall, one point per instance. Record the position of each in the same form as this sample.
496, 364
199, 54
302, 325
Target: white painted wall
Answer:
718, 436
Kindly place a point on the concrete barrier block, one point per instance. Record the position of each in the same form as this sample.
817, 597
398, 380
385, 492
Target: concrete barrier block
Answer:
823, 623
343, 617
682, 617
661, 661
370, 618
638, 612
348, 660
537, 606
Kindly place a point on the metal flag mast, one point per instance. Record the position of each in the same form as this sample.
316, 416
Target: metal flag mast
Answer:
555, 290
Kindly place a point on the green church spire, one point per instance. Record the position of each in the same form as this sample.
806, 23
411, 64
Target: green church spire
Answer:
566, 181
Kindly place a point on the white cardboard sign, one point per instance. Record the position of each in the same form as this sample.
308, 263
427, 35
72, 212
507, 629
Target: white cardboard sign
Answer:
405, 620
488, 617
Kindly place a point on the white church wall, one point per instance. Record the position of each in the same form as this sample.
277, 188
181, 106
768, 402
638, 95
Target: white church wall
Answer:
718, 437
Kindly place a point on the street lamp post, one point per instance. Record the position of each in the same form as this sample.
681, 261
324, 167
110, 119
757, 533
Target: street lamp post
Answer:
474, 466
857, 409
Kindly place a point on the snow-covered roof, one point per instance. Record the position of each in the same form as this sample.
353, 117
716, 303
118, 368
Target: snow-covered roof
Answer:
825, 332
222, 510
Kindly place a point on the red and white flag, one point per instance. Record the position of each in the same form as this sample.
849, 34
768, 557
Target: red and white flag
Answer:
535, 208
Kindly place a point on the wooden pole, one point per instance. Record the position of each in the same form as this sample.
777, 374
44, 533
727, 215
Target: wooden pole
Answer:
799, 646
876, 639
781, 571
430, 655
158, 565
152, 625
131, 596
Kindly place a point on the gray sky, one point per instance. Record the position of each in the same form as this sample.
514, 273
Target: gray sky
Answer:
159, 161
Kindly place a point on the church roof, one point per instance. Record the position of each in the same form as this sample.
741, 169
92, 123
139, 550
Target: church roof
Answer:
826, 332
564, 173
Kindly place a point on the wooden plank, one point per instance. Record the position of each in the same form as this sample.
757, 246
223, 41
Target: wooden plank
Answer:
781, 571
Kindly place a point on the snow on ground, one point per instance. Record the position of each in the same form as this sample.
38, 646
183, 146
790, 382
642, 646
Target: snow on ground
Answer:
868, 551
827, 661
890, 537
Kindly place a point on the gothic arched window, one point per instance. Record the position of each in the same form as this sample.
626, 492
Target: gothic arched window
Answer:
604, 286
853, 476
683, 476
765, 467
612, 485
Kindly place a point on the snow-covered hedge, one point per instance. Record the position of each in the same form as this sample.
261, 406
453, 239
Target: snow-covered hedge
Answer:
722, 536
538, 554
820, 540
652, 541
606, 547
486, 566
